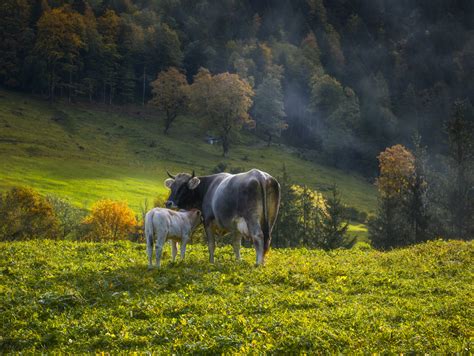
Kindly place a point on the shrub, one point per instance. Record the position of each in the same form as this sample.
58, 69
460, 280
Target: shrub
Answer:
69, 217
110, 221
25, 214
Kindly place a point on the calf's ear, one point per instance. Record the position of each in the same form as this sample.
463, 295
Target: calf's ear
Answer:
169, 182
193, 183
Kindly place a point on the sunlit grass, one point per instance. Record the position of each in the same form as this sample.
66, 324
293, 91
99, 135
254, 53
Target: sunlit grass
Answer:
92, 297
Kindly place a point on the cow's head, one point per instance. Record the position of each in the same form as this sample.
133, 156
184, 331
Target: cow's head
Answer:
182, 190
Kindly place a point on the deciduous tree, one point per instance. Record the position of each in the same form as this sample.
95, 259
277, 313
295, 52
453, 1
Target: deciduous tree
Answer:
223, 101
170, 94
25, 214
61, 34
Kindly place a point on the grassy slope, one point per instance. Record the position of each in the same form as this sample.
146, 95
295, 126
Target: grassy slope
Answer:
117, 161
78, 297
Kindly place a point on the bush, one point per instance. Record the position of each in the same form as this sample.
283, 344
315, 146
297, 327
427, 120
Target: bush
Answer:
69, 217
110, 221
25, 214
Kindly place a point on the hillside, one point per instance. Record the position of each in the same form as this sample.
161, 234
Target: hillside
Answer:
87, 152
83, 297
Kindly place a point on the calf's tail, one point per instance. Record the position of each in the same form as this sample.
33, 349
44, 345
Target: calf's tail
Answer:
149, 229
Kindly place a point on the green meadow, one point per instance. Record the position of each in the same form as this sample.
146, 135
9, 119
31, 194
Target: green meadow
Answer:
76, 297
86, 153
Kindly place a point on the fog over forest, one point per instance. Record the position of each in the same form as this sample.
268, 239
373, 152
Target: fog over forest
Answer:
357, 76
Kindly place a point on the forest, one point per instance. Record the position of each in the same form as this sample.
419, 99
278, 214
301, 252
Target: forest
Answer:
343, 79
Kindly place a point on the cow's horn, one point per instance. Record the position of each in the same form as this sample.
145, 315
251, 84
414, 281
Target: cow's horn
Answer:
170, 175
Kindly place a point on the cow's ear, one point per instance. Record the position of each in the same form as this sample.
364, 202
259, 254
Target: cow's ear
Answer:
169, 182
193, 183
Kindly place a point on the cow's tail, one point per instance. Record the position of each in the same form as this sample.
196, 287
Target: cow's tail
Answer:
266, 223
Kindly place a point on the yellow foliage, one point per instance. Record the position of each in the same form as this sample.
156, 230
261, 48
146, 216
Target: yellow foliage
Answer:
110, 220
169, 90
25, 214
397, 171
61, 34
223, 99
313, 197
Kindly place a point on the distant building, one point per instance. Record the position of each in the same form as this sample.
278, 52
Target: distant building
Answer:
212, 139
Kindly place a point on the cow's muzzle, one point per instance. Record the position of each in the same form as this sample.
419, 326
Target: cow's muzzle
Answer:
170, 204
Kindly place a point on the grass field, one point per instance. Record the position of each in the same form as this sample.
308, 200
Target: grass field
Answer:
81, 297
88, 152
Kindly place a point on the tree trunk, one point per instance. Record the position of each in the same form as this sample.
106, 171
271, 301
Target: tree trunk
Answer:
269, 140
70, 86
225, 145
144, 85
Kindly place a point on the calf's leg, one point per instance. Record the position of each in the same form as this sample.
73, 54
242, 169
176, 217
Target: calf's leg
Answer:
160, 241
174, 249
184, 241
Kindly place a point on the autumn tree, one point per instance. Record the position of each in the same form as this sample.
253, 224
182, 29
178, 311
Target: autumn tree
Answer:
61, 34
170, 94
397, 168
269, 107
223, 101
391, 225
110, 221
25, 214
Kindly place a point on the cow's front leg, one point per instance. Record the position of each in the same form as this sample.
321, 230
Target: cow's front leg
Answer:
211, 242
174, 249
236, 242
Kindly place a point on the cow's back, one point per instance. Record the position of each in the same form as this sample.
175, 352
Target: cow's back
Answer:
238, 195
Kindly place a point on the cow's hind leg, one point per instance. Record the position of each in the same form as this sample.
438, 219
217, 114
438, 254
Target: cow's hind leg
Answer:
211, 242
236, 241
256, 234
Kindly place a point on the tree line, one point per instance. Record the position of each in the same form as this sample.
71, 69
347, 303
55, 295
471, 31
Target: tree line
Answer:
344, 78
422, 197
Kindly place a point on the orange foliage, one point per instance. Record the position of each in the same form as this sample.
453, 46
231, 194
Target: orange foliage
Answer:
110, 220
397, 171
169, 90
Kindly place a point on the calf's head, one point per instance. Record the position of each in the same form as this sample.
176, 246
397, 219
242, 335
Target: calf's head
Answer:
195, 216
182, 188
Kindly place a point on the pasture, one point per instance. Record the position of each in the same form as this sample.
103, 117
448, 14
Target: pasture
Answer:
60, 296
90, 152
